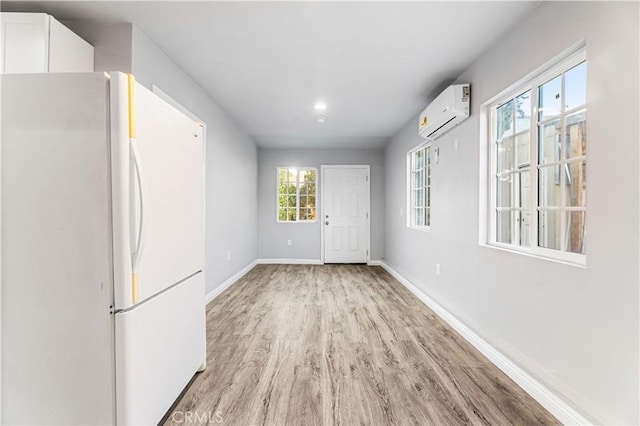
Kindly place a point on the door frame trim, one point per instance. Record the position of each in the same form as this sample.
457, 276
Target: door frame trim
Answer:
366, 167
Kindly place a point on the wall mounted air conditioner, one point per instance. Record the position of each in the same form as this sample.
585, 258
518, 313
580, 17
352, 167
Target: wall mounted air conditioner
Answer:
446, 111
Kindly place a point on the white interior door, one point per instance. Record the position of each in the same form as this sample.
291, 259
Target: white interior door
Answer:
345, 219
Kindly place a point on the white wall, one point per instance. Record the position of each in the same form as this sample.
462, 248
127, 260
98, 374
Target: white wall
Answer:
575, 329
305, 237
231, 223
111, 43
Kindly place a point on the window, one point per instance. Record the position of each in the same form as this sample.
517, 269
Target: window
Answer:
296, 194
419, 197
538, 164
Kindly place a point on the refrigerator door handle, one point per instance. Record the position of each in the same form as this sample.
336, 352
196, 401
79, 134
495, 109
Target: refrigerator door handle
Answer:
136, 255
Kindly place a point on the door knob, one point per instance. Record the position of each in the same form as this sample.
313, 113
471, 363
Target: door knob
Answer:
326, 223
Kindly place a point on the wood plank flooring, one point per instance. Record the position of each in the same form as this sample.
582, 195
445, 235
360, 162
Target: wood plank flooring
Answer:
341, 345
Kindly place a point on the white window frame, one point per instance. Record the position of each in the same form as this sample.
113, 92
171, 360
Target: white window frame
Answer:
534, 165
426, 185
297, 194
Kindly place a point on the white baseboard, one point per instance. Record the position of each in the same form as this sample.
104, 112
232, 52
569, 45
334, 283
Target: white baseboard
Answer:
555, 405
229, 282
374, 263
289, 261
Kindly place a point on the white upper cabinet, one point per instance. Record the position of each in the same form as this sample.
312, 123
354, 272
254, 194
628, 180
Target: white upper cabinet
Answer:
37, 42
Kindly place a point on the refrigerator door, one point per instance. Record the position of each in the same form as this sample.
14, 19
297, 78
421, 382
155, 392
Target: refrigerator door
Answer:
57, 328
160, 196
159, 346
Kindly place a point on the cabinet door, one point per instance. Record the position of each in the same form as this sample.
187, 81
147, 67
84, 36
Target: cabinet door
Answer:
25, 42
67, 51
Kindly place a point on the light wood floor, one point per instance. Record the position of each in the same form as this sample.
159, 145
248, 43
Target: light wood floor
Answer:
342, 344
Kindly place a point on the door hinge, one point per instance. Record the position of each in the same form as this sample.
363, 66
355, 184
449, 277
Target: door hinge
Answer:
367, 252
367, 215
367, 178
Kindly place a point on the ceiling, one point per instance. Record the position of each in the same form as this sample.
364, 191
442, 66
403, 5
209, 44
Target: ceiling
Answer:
375, 64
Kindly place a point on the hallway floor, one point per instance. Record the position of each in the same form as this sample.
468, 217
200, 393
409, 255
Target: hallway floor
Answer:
341, 344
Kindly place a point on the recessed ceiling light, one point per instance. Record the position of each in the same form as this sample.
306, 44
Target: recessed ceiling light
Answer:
320, 106
322, 119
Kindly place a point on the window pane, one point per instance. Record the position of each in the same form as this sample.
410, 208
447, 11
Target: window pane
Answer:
549, 186
419, 198
303, 188
291, 215
503, 193
505, 155
311, 176
524, 188
504, 120
576, 227
427, 220
291, 201
292, 175
523, 149
419, 218
312, 201
304, 202
302, 175
312, 213
282, 175
549, 142
575, 86
523, 111
417, 179
304, 214
523, 222
282, 214
503, 227
549, 229
576, 183
312, 188
418, 160
282, 201
427, 156
427, 200
576, 134
549, 101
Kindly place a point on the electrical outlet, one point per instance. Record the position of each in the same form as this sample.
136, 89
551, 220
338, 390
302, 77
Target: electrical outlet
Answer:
288, 242
436, 155
437, 269
228, 254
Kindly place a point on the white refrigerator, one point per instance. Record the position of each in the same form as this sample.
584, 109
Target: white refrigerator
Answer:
102, 249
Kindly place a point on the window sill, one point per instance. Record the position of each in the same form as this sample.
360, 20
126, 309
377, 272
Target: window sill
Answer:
580, 262
420, 228
296, 221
